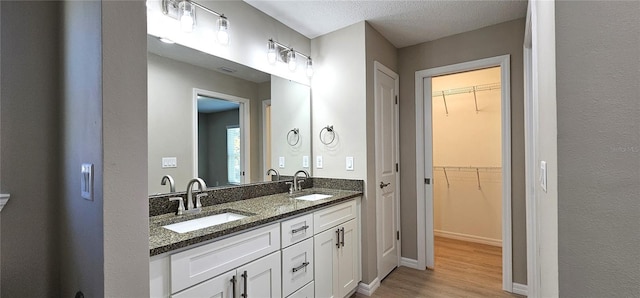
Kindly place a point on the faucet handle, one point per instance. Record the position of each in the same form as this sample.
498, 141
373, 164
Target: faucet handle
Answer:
300, 184
180, 204
290, 187
198, 196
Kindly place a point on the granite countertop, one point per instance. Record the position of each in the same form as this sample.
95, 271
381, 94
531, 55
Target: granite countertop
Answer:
259, 211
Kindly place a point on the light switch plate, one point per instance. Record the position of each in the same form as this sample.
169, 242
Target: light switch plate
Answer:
281, 162
305, 161
543, 175
319, 163
86, 181
169, 162
349, 162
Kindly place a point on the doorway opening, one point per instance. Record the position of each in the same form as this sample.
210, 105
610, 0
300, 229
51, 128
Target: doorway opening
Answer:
221, 138
453, 172
467, 175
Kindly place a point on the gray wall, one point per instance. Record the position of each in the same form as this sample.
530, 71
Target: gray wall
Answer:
501, 39
598, 79
82, 234
377, 48
30, 142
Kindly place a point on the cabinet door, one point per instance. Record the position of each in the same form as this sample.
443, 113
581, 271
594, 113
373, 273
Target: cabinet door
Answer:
347, 271
325, 255
261, 278
218, 287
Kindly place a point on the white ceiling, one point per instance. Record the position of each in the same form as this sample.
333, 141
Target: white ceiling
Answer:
403, 23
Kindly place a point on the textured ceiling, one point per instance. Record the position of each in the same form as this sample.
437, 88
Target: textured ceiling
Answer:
403, 23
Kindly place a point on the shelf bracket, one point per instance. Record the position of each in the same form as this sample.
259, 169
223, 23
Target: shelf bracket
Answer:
445, 176
475, 98
445, 103
478, 175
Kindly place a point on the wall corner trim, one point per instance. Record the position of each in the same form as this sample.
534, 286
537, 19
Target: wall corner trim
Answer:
520, 289
368, 289
4, 198
411, 263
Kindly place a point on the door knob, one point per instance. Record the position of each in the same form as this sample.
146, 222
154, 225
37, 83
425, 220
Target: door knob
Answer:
383, 185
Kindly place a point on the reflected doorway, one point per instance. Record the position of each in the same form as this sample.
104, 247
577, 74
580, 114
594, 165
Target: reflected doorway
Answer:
220, 140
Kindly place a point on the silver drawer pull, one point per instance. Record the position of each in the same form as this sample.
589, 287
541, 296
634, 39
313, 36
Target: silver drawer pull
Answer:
300, 229
305, 264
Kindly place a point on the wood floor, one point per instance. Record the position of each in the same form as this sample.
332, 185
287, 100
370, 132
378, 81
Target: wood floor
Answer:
463, 269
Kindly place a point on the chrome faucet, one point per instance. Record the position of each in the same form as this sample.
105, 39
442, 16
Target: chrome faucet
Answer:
172, 183
297, 184
191, 207
275, 172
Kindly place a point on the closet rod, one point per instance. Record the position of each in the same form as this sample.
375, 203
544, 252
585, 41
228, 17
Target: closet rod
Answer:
469, 89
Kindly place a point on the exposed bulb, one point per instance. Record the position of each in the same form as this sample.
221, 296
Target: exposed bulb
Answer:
271, 53
291, 60
309, 68
186, 21
223, 30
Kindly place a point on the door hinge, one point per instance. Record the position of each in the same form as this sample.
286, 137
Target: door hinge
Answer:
396, 99
427, 180
398, 235
397, 167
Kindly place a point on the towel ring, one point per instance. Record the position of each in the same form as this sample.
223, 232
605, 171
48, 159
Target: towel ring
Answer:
328, 129
296, 136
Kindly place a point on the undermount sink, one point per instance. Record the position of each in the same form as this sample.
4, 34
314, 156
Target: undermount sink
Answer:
313, 197
204, 222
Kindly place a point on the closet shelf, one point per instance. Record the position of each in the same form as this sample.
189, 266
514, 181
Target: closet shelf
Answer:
463, 90
468, 169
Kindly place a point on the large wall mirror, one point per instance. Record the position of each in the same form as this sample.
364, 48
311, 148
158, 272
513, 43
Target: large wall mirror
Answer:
221, 121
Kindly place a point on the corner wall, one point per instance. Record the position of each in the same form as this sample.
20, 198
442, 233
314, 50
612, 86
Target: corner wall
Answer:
496, 40
598, 112
29, 153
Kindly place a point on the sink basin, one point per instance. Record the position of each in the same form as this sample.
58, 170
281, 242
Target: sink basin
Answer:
204, 222
313, 197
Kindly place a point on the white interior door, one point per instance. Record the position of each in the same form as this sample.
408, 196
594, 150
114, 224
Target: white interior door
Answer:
387, 205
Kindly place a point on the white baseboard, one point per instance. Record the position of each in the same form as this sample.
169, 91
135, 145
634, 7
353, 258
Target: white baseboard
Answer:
520, 289
411, 263
468, 238
368, 289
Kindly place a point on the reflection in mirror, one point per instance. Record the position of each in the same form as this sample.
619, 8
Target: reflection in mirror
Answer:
182, 146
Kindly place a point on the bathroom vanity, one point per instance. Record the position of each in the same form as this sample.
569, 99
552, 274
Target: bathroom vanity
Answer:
305, 244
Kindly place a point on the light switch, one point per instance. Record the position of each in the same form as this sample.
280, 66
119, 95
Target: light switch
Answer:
86, 181
169, 162
543, 175
305, 161
349, 163
281, 162
319, 164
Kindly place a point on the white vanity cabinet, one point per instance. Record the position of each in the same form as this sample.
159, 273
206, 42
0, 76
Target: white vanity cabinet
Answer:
336, 251
311, 255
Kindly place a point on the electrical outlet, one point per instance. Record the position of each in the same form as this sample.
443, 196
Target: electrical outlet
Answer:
86, 181
281, 162
305, 161
319, 162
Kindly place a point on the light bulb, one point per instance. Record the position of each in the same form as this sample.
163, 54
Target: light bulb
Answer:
291, 60
271, 53
186, 20
309, 67
223, 30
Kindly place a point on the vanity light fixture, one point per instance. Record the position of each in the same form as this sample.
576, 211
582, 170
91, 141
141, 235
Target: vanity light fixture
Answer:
185, 11
277, 51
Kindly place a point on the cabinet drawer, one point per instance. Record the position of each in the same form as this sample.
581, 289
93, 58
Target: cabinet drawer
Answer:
297, 229
333, 216
219, 287
201, 263
297, 266
305, 292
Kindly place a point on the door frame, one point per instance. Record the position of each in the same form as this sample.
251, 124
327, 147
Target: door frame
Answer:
377, 66
245, 127
424, 191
